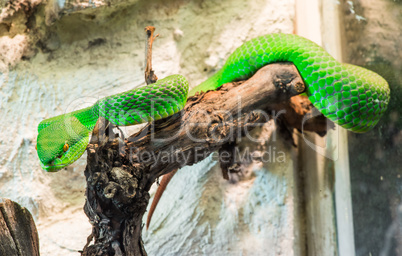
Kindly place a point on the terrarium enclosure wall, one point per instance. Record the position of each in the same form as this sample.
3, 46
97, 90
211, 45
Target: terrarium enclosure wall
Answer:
334, 195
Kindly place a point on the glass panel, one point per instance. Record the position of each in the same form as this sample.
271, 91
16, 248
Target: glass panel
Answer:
372, 34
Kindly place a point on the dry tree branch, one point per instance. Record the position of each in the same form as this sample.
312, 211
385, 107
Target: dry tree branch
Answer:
120, 173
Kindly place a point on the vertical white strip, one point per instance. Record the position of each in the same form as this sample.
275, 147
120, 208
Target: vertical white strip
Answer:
315, 165
308, 20
343, 197
318, 20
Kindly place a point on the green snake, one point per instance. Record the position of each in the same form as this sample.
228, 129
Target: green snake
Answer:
353, 97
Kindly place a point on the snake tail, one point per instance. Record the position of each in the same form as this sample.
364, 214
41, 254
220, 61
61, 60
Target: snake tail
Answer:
159, 192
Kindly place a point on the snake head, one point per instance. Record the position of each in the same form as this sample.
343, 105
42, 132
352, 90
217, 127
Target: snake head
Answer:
61, 142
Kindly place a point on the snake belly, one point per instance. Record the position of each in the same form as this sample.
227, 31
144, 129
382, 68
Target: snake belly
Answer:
351, 96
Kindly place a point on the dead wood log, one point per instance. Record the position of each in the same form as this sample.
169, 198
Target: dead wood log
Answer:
120, 172
18, 234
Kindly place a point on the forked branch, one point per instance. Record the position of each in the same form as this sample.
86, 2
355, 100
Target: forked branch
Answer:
120, 172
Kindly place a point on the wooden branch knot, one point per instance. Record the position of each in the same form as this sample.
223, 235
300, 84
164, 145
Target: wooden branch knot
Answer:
126, 186
300, 87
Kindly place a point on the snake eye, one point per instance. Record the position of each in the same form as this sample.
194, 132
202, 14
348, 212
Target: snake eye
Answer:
66, 147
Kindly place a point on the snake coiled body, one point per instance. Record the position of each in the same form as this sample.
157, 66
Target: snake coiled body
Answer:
351, 96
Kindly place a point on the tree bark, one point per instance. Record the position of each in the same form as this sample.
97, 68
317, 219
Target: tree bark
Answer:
18, 234
120, 171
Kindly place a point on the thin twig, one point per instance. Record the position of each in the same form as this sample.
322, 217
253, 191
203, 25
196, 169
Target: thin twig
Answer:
150, 76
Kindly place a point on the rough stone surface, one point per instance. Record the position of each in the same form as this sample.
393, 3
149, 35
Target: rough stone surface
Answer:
235, 217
